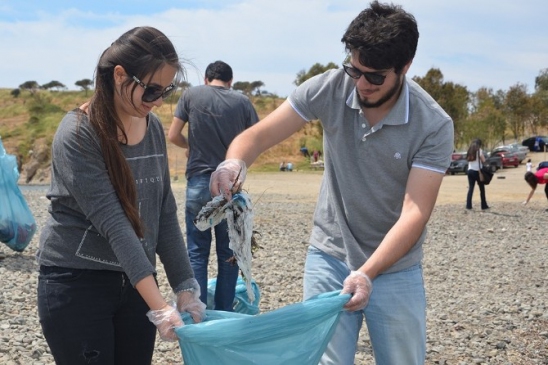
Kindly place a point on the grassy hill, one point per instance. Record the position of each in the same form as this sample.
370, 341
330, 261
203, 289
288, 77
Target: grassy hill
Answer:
29, 121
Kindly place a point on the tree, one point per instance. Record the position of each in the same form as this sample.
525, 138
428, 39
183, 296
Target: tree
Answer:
15, 92
183, 85
541, 81
316, 69
256, 86
31, 86
243, 86
85, 84
539, 102
453, 98
539, 113
486, 120
517, 108
53, 84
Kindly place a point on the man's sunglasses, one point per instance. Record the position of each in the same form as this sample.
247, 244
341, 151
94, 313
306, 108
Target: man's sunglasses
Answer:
153, 92
371, 77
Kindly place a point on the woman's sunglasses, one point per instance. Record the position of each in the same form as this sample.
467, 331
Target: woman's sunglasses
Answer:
371, 77
153, 92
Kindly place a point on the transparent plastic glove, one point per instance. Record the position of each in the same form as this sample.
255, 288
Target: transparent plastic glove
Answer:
188, 300
360, 286
166, 319
228, 178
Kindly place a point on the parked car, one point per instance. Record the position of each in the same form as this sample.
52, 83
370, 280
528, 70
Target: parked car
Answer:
458, 155
520, 151
508, 158
531, 143
518, 147
493, 161
459, 165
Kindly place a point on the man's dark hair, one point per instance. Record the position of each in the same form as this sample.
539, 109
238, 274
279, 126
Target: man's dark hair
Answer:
218, 70
384, 35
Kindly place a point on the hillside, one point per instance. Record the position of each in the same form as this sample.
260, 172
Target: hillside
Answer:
28, 123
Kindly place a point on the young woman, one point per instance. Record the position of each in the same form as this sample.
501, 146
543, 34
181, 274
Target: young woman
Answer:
475, 161
111, 212
535, 178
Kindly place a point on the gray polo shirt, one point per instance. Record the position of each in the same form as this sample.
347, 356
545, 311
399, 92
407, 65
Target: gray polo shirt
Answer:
88, 228
215, 116
366, 170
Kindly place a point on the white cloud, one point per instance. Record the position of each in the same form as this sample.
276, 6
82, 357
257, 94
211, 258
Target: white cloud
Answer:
487, 43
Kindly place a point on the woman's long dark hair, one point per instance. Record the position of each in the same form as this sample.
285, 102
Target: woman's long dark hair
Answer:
141, 51
473, 150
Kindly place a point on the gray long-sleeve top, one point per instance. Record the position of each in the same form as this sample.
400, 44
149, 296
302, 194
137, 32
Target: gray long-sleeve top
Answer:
88, 228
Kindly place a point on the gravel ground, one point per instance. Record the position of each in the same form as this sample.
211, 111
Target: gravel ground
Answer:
485, 272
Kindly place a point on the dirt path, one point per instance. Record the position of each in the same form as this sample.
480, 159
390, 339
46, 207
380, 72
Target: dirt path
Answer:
507, 185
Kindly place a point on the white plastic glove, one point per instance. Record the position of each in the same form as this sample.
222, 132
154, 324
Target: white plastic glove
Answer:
188, 300
360, 286
166, 319
228, 178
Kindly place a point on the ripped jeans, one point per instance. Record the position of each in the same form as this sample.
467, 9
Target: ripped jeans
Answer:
93, 317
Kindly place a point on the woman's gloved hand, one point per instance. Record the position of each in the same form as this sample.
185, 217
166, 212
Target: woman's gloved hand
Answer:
228, 178
166, 319
188, 300
360, 286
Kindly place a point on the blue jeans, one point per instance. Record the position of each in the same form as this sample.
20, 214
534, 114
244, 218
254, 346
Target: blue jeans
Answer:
395, 315
473, 177
93, 317
199, 246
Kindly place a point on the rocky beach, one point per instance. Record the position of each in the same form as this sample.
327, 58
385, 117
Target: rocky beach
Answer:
486, 273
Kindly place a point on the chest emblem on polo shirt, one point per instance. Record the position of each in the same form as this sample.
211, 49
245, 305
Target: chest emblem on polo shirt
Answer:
397, 156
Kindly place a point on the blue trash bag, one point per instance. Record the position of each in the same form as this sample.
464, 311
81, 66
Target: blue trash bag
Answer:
296, 334
17, 224
242, 304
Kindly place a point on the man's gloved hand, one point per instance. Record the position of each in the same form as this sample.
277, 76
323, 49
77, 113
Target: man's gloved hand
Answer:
188, 300
166, 319
228, 178
360, 286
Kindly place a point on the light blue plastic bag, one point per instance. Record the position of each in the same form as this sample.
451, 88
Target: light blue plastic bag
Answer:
242, 304
17, 224
293, 335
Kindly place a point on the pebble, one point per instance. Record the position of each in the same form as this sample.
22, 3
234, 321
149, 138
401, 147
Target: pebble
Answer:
485, 274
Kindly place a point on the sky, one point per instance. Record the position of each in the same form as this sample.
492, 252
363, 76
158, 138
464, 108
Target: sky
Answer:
474, 43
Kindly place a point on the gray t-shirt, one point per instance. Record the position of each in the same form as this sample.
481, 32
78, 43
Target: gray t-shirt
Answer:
366, 169
88, 228
216, 115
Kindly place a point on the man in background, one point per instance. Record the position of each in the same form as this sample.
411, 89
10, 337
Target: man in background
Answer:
215, 114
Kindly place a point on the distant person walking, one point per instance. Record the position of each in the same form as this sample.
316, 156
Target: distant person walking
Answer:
475, 161
535, 178
215, 114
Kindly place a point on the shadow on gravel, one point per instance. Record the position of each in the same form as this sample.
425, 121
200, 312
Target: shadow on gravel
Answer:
502, 214
17, 262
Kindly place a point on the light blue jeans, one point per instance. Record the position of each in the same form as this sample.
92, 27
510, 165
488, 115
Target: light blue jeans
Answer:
199, 246
395, 315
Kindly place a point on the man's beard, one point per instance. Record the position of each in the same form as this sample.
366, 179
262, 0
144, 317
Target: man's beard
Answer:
389, 94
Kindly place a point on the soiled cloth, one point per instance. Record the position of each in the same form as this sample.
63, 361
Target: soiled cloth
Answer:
239, 215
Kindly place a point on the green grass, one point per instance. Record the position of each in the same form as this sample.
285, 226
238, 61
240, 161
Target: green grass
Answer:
31, 117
